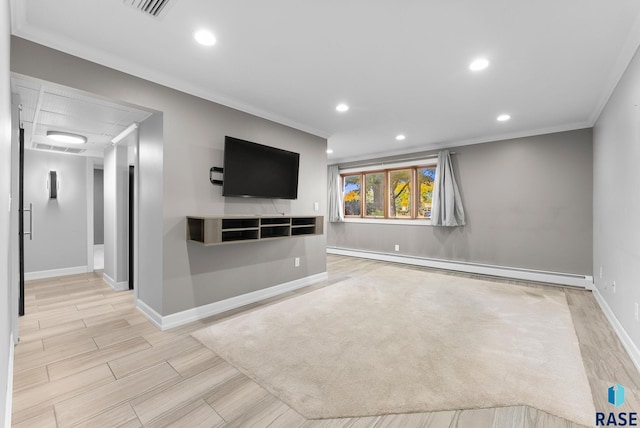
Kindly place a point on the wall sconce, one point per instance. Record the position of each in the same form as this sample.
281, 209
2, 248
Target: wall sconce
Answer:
52, 184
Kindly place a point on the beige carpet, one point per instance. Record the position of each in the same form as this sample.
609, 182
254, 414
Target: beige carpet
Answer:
402, 340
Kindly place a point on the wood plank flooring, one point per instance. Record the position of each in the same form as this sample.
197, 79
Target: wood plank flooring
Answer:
88, 358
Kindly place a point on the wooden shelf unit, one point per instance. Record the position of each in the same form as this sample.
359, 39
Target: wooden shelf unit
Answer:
226, 230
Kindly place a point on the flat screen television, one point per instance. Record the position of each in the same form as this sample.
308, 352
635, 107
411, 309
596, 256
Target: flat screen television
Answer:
259, 171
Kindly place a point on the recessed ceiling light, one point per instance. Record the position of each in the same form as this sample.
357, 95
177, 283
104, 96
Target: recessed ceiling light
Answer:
342, 107
400, 137
503, 118
479, 64
329, 151
66, 137
205, 37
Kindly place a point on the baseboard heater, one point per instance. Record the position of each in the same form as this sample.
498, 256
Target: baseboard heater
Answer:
554, 278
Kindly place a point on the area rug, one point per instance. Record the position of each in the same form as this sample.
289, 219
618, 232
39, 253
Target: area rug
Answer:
401, 340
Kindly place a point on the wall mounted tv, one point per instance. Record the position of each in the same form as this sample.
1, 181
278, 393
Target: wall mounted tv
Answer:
255, 170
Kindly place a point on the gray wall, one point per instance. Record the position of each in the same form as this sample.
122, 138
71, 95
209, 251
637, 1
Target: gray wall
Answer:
98, 207
192, 142
149, 190
109, 214
616, 200
116, 214
528, 203
59, 225
7, 303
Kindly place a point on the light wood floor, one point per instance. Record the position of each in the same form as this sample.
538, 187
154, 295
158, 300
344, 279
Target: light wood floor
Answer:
88, 358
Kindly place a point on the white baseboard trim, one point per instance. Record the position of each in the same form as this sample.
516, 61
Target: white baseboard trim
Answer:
117, 286
9, 400
622, 334
53, 273
194, 314
582, 281
154, 317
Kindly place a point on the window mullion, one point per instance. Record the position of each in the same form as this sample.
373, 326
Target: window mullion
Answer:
386, 194
363, 196
416, 192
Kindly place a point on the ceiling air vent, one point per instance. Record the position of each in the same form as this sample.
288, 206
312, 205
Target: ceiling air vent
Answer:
149, 7
60, 149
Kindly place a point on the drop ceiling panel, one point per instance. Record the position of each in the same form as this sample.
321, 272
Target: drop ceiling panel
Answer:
53, 107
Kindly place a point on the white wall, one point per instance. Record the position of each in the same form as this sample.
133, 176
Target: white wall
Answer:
59, 225
616, 201
7, 296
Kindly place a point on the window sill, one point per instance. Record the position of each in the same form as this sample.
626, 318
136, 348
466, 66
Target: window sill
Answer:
411, 222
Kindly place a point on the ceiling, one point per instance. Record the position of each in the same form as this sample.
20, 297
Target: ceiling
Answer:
402, 67
48, 107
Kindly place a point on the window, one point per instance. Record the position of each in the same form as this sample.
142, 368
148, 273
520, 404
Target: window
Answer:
374, 191
352, 187
398, 193
426, 176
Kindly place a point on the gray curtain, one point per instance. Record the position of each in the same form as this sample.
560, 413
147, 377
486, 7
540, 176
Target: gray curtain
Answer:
446, 209
336, 210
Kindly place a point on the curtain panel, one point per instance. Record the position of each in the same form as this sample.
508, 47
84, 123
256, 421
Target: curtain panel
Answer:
336, 210
447, 209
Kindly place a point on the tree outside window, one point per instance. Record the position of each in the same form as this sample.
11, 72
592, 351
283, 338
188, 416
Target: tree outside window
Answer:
352, 188
404, 193
374, 191
426, 177
400, 193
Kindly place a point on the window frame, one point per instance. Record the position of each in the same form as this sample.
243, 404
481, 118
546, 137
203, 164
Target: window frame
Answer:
363, 208
415, 197
342, 184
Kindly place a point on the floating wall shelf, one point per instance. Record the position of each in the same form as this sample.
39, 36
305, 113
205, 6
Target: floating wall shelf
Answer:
226, 230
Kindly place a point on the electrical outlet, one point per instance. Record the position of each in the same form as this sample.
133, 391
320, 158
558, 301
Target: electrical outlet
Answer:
636, 311
296, 262
613, 286
397, 247
600, 272
316, 206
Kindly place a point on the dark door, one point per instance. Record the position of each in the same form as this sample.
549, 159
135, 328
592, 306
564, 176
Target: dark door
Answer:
21, 222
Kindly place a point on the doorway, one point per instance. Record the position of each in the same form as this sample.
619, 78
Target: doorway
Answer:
63, 231
98, 218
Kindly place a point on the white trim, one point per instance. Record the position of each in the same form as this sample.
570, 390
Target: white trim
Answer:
624, 337
53, 273
627, 52
121, 136
401, 221
117, 286
560, 278
154, 317
425, 161
9, 391
200, 312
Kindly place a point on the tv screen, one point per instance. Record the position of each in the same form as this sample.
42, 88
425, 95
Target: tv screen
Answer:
255, 170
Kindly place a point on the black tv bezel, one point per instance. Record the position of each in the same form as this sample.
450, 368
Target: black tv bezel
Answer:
229, 139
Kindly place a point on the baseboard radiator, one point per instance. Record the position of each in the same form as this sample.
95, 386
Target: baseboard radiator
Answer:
554, 278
